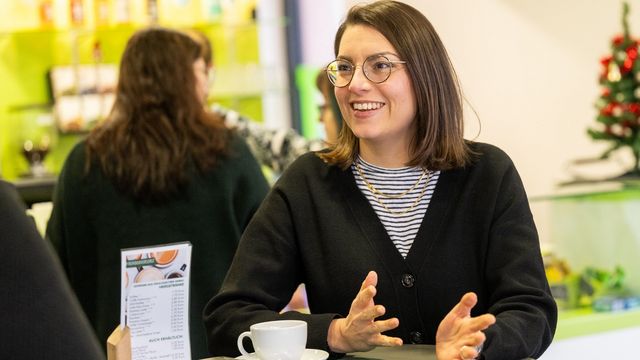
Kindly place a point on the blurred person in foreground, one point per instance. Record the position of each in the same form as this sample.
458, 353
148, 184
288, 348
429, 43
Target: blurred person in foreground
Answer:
160, 169
41, 316
403, 231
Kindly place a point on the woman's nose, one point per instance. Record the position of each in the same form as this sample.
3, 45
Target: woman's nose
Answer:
359, 80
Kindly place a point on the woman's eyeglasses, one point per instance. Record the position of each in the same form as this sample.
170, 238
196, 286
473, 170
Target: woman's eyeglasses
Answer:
376, 68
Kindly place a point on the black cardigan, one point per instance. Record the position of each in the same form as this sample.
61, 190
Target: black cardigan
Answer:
317, 228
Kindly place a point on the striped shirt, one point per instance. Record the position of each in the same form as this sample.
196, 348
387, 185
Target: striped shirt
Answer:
406, 194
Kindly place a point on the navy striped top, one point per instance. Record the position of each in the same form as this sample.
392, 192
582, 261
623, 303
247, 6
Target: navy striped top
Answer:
399, 196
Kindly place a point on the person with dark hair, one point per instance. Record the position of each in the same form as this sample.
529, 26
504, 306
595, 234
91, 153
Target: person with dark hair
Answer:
330, 115
160, 169
274, 148
41, 316
438, 227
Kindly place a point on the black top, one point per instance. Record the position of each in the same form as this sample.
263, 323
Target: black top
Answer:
41, 318
91, 222
316, 227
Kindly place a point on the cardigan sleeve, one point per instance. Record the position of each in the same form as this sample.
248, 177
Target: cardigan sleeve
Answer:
265, 272
520, 298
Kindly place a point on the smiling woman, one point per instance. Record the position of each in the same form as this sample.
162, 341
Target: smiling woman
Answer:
402, 231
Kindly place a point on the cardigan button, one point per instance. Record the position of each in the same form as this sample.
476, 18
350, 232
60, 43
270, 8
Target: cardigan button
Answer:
408, 280
415, 337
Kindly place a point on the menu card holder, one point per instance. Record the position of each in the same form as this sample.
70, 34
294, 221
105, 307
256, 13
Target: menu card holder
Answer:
119, 344
154, 300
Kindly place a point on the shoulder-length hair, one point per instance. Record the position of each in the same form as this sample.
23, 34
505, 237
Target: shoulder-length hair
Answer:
158, 131
438, 143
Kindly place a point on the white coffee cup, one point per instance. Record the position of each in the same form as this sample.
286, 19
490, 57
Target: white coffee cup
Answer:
276, 340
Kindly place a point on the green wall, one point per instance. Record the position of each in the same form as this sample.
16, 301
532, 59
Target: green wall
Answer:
26, 56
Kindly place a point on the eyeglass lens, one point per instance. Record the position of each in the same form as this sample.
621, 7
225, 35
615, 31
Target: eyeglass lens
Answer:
376, 68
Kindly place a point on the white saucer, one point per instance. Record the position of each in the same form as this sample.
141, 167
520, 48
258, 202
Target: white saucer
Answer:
309, 354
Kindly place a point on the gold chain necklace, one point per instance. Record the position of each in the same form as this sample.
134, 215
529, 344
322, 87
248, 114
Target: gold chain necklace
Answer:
378, 192
375, 192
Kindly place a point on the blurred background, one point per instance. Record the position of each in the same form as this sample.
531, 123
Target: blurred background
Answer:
531, 72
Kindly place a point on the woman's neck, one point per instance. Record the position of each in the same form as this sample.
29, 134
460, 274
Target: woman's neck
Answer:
391, 156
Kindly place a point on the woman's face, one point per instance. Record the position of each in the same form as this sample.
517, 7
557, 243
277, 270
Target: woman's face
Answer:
201, 71
378, 114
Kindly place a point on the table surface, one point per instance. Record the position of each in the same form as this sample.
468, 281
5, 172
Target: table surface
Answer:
405, 352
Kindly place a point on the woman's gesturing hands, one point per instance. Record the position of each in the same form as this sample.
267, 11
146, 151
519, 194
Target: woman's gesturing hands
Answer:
359, 331
460, 336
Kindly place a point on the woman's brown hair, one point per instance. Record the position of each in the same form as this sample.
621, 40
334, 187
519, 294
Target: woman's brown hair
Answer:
158, 132
438, 143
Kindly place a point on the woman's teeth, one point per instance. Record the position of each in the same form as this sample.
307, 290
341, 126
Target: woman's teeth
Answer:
366, 106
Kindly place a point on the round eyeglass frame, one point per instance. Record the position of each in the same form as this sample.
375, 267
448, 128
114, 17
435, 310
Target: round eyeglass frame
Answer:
332, 79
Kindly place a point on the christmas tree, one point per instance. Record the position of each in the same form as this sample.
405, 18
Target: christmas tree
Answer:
619, 103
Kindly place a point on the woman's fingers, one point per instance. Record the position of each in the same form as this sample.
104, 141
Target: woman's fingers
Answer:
388, 341
458, 333
385, 325
360, 331
481, 322
370, 280
367, 292
370, 314
463, 308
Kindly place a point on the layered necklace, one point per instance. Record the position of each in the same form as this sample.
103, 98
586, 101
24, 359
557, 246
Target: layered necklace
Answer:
378, 195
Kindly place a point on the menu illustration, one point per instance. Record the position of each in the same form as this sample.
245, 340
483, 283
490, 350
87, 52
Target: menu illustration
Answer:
154, 300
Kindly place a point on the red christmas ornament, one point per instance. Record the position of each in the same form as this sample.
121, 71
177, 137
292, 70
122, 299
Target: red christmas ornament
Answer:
632, 52
634, 108
627, 65
606, 92
607, 110
617, 40
606, 60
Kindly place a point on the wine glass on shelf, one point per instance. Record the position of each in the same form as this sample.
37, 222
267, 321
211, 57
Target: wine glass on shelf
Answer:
35, 154
36, 144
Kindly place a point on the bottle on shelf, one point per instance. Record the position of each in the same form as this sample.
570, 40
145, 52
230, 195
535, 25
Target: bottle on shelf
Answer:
122, 11
45, 9
101, 12
77, 12
152, 11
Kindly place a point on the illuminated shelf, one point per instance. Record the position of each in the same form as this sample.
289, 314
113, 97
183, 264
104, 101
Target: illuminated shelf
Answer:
581, 322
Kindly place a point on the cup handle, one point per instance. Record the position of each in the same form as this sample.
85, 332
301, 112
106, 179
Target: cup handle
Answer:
240, 346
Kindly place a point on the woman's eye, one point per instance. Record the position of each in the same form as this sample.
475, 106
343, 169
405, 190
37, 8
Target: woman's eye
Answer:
345, 67
381, 65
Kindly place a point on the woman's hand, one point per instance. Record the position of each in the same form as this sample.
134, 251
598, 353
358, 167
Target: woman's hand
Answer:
359, 331
460, 336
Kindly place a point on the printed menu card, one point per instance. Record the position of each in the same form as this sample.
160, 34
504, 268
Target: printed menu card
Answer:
154, 300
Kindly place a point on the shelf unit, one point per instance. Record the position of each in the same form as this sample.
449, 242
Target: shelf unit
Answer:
242, 82
595, 225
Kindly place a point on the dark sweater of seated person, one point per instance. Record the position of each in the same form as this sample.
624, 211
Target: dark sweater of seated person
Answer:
41, 317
